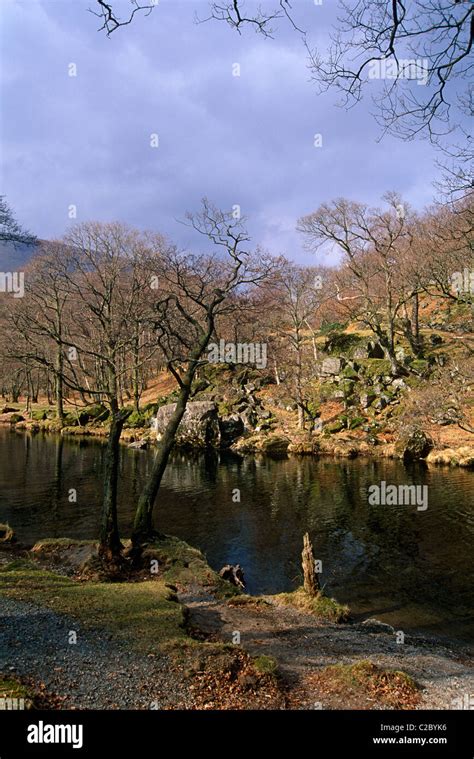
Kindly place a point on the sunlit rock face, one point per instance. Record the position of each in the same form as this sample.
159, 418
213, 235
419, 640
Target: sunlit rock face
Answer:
199, 427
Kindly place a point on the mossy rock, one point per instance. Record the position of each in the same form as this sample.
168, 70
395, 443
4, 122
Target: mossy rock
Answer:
15, 418
349, 373
337, 426
420, 365
275, 445
375, 367
39, 415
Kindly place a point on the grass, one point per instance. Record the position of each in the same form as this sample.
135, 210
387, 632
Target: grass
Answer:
319, 605
11, 688
246, 600
266, 665
181, 563
142, 613
392, 687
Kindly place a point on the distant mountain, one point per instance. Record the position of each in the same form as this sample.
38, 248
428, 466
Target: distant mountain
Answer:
14, 257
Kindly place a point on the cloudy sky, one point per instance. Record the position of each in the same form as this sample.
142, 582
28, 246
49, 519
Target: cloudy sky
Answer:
84, 140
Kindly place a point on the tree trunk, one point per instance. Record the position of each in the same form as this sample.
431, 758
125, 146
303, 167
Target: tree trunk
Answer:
311, 581
58, 379
109, 547
143, 526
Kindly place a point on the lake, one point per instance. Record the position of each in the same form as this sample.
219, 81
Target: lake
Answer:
411, 568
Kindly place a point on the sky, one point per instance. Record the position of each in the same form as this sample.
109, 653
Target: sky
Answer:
87, 140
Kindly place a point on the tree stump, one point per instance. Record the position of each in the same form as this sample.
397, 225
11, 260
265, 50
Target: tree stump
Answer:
311, 580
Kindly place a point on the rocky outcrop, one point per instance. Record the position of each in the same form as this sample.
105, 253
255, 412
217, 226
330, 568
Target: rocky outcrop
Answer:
199, 427
270, 445
413, 444
231, 428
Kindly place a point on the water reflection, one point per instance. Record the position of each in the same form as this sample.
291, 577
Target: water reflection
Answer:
413, 569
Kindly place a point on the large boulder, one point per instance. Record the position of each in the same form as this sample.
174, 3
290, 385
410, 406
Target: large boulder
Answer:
331, 366
199, 427
275, 445
413, 444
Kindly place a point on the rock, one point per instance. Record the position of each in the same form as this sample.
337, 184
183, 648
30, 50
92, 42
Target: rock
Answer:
233, 573
366, 399
275, 445
231, 427
138, 445
413, 444
331, 366
375, 626
249, 419
6, 534
399, 383
199, 427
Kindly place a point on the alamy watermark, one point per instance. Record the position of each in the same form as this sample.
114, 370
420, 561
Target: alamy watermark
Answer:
13, 282
463, 282
9, 704
466, 701
403, 68
399, 495
238, 353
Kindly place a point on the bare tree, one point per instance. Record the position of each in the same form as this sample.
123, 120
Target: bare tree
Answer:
370, 280
195, 290
110, 18
298, 294
10, 229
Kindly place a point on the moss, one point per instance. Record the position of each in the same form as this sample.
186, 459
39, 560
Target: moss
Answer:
39, 415
16, 418
141, 612
419, 365
246, 600
224, 408
319, 605
337, 426
393, 687
375, 367
356, 422
11, 688
181, 563
349, 373
266, 665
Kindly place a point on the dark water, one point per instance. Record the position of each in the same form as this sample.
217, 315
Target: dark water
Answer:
413, 569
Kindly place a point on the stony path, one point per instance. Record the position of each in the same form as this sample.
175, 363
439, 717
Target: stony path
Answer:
94, 673
302, 646
99, 673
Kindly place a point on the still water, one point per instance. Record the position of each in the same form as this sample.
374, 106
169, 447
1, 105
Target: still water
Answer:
413, 569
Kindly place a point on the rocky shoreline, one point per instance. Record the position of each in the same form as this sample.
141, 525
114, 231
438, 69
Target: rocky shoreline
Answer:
206, 425
125, 657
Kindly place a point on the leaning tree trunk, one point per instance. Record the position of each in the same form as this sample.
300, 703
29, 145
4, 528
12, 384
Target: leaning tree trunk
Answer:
311, 580
143, 524
109, 546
